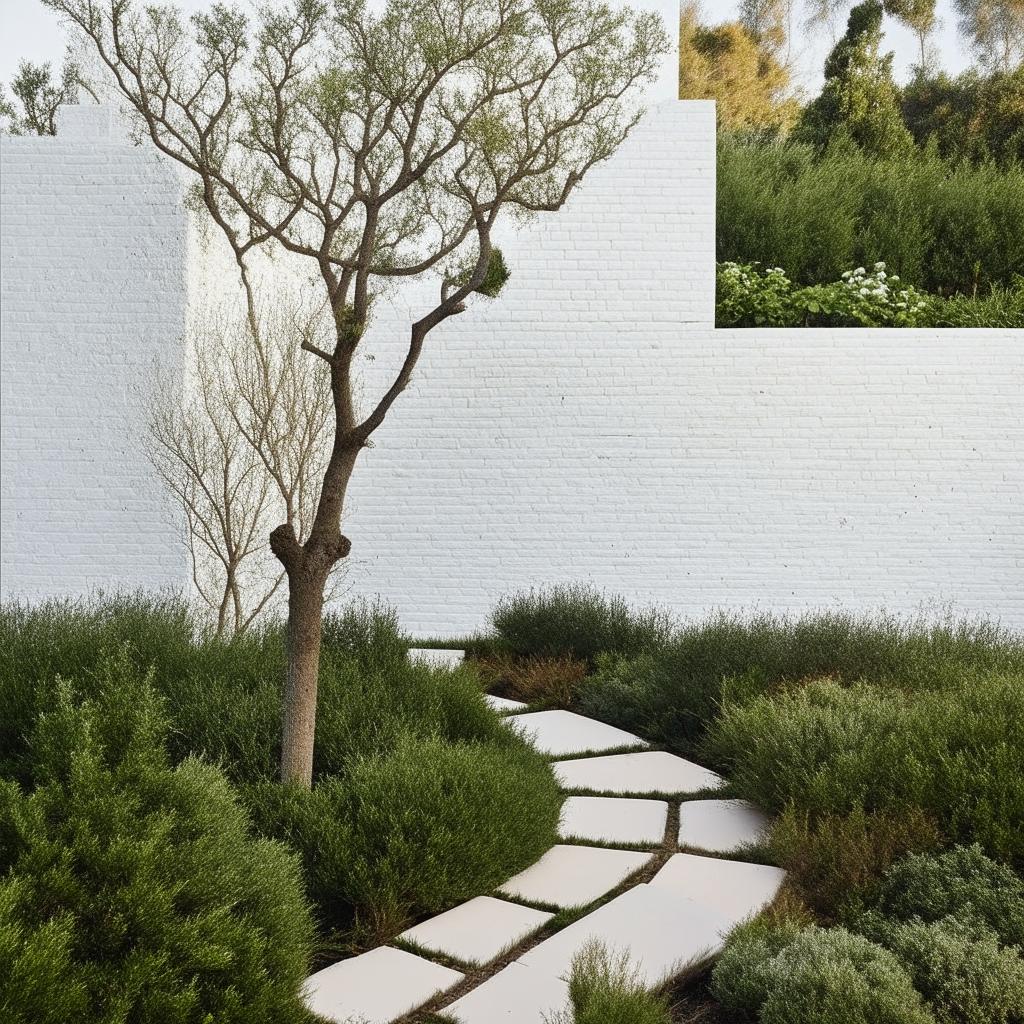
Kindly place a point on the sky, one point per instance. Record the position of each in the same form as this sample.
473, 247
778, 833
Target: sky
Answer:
29, 31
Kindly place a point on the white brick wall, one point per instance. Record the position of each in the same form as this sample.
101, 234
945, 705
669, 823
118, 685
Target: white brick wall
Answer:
93, 286
591, 424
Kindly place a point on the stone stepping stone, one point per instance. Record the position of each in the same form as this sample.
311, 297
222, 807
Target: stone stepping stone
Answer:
662, 933
650, 771
503, 703
609, 819
560, 733
720, 826
573, 876
516, 994
436, 657
477, 931
376, 987
733, 889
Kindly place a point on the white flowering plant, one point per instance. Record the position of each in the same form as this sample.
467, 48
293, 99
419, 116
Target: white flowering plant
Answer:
749, 296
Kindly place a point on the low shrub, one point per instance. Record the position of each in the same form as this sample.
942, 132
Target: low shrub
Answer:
575, 621
833, 858
416, 830
830, 749
962, 882
366, 631
673, 691
815, 976
551, 681
606, 989
959, 967
131, 890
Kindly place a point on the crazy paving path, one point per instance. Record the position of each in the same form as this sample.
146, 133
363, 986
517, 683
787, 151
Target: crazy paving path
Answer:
673, 911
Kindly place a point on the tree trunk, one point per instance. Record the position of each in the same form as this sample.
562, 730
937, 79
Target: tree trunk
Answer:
305, 613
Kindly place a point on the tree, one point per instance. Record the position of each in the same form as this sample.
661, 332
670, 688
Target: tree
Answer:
920, 17
38, 97
995, 31
240, 446
769, 22
859, 98
372, 147
727, 64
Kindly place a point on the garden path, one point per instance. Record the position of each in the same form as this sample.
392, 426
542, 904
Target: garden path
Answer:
642, 825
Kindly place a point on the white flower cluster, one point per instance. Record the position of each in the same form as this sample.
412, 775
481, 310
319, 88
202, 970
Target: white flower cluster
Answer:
881, 287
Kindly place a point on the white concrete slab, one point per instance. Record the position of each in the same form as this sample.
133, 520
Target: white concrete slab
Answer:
609, 819
734, 889
649, 771
572, 876
503, 703
662, 933
560, 733
517, 994
477, 931
376, 987
437, 657
720, 826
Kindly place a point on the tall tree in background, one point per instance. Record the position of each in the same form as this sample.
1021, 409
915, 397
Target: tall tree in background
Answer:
726, 63
859, 99
372, 147
770, 22
995, 31
32, 110
921, 18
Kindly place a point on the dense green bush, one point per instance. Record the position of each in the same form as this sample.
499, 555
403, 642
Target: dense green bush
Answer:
962, 881
131, 890
828, 748
941, 228
959, 967
815, 976
606, 989
575, 621
414, 831
672, 693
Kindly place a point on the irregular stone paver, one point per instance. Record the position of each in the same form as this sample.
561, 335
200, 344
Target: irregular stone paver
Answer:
503, 703
560, 733
376, 987
477, 931
517, 994
650, 771
720, 825
609, 819
733, 889
437, 657
662, 933
571, 876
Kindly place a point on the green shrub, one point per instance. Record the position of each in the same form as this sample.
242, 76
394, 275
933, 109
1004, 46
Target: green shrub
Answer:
672, 692
606, 989
942, 228
829, 749
962, 882
575, 621
959, 967
416, 830
368, 632
1001, 308
133, 890
815, 976
833, 858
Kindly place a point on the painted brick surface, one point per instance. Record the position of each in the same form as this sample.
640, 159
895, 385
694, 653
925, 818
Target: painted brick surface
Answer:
93, 288
588, 424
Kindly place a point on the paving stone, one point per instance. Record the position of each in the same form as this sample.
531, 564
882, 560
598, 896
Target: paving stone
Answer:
376, 987
517, 994
609, 819
649, 771
437, 657
503, 703
732, 888
477, 931
572, 876
560, 733
720, 825
661, 932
